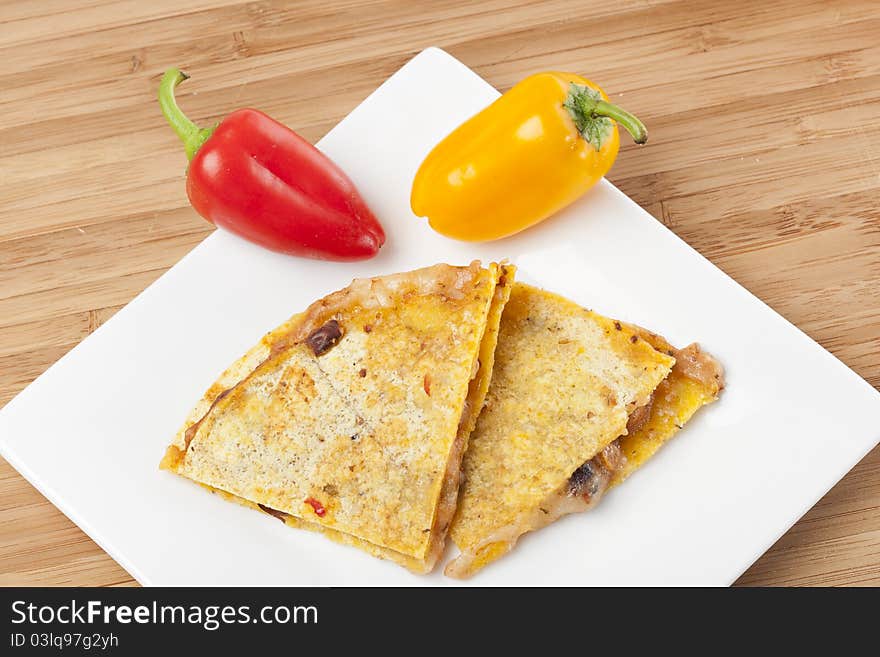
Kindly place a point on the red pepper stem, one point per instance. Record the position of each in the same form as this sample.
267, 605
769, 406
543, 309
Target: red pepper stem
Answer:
629, 121
190, 134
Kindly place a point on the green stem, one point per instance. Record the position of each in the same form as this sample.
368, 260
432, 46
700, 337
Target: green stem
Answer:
190, 134
593, 116
629, 121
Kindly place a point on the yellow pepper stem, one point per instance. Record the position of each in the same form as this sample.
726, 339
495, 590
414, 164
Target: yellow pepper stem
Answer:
592, 115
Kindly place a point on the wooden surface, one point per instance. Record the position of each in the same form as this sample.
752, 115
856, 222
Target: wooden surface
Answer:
764, 155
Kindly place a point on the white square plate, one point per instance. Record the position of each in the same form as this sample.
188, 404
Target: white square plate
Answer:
89, 432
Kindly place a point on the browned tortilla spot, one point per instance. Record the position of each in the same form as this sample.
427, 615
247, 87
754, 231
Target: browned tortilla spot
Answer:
274, 512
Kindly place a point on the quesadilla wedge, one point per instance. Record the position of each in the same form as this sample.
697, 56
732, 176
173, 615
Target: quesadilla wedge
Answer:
696, 379
351, 418
577, 402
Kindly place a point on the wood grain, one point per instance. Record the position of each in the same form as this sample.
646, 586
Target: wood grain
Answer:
764, 156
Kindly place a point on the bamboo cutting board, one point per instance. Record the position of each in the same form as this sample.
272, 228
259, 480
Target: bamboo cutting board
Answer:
764, 156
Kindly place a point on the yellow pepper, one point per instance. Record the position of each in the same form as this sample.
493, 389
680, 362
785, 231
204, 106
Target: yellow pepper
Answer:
525, 157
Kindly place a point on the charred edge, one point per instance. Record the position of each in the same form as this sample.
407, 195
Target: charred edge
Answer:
275, 513
190, 432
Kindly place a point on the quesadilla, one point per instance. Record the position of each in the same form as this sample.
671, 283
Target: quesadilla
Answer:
577, 402
352, 418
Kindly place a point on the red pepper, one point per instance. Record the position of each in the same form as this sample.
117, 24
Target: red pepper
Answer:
261, 180
319, 509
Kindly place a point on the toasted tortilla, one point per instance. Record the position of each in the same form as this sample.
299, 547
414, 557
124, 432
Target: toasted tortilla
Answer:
696, 379
564, 385
351, 418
